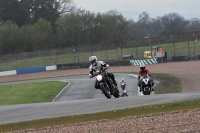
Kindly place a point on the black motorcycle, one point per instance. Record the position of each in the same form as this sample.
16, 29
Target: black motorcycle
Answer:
106, 84
146, 84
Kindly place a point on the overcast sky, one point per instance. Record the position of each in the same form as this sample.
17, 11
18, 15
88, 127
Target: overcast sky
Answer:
132, 8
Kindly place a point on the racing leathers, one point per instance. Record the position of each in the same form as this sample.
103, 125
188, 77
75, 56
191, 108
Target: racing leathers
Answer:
99, 66
123, 86
141, 73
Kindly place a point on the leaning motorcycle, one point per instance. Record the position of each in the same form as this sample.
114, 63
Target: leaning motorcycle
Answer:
146, 84
106, 84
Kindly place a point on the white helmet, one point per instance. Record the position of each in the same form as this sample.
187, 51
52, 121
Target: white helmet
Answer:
93, 60
122, 79
142, 67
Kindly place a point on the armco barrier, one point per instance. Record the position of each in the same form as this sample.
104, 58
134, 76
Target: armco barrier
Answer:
49, 68
12, 72
31, 70
28, 70
145, 61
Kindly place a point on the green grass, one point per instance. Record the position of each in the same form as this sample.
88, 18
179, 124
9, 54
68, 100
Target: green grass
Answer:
181, 50
30, 92
111, 115
168, 83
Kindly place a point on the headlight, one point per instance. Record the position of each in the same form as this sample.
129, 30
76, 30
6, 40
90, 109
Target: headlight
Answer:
99, 77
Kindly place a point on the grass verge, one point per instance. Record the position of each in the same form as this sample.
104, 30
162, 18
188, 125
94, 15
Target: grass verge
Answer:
111, 115
168, 84
30, 92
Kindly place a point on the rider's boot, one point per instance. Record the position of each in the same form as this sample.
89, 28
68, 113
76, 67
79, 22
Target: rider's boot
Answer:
152, 86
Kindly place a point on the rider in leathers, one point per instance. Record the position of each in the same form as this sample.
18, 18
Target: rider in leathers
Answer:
143, 71
98, 66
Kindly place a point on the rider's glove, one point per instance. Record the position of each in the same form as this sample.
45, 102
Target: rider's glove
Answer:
90, 75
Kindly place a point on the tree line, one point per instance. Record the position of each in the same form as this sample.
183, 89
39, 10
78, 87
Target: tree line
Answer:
33, 25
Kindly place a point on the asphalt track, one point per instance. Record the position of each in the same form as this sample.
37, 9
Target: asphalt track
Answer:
80, 97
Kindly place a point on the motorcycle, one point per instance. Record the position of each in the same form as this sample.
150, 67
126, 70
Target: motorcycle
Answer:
146, 84
106, 85
123, 86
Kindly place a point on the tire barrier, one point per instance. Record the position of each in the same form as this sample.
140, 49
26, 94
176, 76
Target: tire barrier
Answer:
144, 61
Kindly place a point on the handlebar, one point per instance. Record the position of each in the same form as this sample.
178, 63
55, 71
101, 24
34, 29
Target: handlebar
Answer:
97, 73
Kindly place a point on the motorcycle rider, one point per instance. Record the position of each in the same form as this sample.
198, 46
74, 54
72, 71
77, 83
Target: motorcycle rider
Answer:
99, 65
143, 71
123, 86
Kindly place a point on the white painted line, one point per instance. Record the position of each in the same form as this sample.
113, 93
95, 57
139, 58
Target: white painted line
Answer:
141, 62
62, 90
145, 62
149, 61
135, 76
153, 61
137, 62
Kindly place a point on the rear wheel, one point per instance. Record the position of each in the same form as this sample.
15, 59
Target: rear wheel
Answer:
105, 91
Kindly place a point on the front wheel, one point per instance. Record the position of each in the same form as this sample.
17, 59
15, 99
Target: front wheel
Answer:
146, 91
116, 92
105, 91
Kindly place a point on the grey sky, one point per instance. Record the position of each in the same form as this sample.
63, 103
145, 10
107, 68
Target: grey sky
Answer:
132, 8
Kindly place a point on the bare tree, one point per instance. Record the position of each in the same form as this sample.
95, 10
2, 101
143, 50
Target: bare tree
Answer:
173, 23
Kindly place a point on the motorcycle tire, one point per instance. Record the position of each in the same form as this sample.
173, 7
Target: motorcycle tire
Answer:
116, 93
105, 91
146, 92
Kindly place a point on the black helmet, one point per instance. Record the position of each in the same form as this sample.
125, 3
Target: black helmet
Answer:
142, 67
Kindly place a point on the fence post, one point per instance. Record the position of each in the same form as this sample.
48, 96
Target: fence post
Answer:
136, 51
188, 48
106, 55
121, 53
174, 49
118, 52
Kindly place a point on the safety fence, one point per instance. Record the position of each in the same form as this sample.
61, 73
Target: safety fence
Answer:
78, 55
